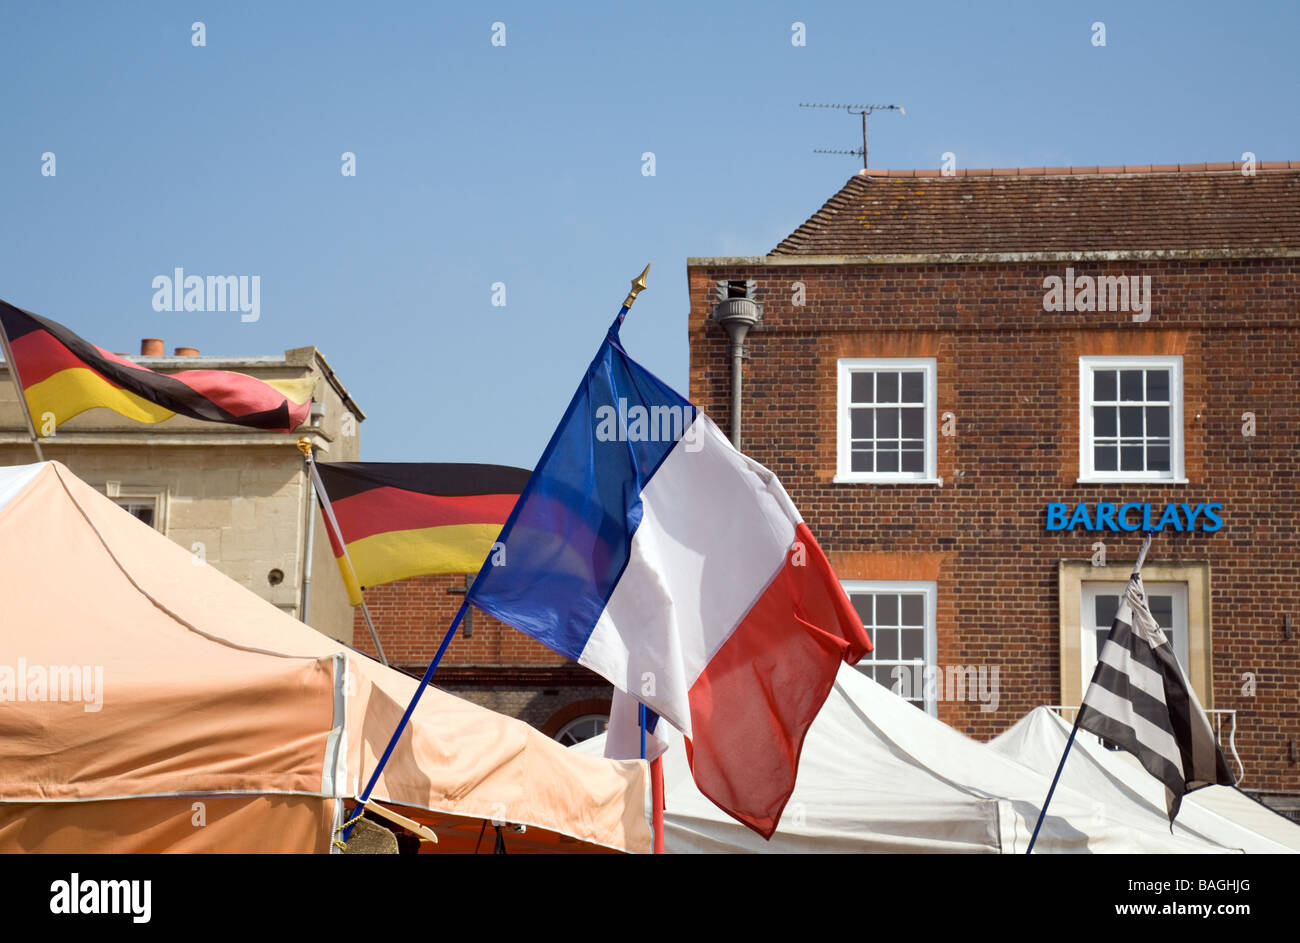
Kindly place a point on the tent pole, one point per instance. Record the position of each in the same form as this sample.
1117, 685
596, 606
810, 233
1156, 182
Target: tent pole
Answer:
22, 396
657, 803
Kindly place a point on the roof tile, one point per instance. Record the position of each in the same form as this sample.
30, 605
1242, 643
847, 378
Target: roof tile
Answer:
1057, 209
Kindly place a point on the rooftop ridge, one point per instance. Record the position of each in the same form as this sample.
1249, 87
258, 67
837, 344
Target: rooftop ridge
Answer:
1110, 170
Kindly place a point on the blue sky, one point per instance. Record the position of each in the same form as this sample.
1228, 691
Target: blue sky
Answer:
522, 164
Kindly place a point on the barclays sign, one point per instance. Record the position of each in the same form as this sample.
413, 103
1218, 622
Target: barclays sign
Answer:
1133, 516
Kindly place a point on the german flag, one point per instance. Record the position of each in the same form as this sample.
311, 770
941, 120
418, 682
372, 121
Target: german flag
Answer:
63, 375
400, 519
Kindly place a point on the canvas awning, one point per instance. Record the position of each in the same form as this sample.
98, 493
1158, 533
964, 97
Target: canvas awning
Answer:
191, 689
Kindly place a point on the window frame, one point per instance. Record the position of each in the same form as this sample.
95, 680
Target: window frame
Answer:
930, 645
124, 494
568, 725
1088, 592
846, 368
1071, 576
1088, 365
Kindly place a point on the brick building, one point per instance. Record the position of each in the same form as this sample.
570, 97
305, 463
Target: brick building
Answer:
946, 367
488, 663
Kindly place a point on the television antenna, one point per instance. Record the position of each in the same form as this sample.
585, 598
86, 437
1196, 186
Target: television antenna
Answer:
862, 110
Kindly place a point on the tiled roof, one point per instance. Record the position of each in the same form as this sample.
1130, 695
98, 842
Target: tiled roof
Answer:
1050, 209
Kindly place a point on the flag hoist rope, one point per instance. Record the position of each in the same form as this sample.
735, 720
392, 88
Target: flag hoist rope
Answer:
638, 285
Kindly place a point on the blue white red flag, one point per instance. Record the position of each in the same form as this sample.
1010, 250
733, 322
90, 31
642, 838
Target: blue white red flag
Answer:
623, 740
648, 549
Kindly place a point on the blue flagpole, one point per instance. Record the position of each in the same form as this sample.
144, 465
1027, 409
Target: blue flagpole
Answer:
638, 284
1137, 570
1060, 766
410, 708
641, 714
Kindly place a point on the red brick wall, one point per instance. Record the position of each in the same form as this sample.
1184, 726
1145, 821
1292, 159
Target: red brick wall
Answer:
524, 679
412, 616
1009, 372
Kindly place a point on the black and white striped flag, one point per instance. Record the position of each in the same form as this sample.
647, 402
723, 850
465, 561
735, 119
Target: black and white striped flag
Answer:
1139, 699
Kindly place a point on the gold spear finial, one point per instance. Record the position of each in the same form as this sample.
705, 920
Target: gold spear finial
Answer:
304, 446
638, 286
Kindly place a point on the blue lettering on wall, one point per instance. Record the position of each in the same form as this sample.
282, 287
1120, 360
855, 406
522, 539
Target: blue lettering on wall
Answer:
1132, 516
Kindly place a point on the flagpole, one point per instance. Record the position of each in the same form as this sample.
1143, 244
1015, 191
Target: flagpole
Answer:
640, 710
1137, 569
638, 285
657, 803
656, 789
327, 512
22, 396
304, 446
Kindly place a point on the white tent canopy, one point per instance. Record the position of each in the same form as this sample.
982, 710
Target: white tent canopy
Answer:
1221, 813
878, 775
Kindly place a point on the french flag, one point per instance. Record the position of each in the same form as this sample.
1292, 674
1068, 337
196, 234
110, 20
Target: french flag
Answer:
648, 549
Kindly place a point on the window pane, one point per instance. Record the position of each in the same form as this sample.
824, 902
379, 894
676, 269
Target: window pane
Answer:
913, 610
887, 387
862, 603
887, 609
1101, 640
1158, 458
1103, 385
1130, 421
1105, 458
860, 424
1131, 458
1130, 385
886, 462
913, 423
1106, 607
1158, 385
861, 389
913, 461
863, 461
1162, 610
1105, 421
887, 423
886, 644
913, 387
1158, 421
913, 644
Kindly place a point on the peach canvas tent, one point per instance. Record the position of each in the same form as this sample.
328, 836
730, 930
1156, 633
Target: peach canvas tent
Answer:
149, 703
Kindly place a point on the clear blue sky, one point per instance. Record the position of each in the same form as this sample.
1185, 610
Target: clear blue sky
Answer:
522, 164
